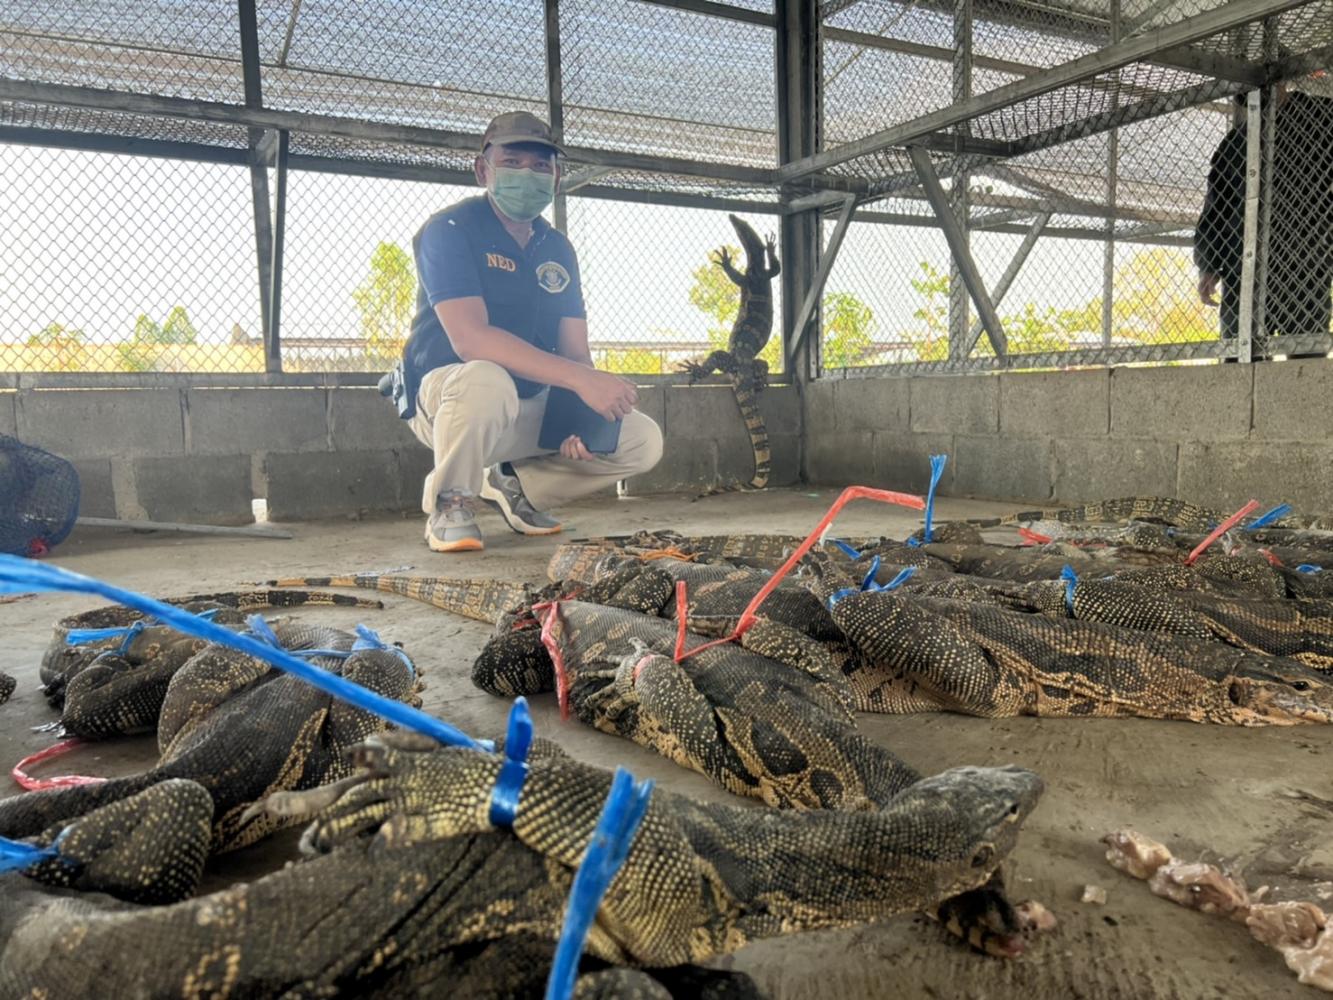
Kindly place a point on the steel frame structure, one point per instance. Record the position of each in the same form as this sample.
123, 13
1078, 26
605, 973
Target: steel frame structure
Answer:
807, 181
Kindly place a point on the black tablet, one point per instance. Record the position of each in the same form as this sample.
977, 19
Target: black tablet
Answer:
567, 414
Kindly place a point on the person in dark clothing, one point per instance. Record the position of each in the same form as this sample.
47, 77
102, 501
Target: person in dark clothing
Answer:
1300, 247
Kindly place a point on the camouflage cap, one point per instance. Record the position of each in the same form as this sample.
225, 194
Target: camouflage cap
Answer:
518, 126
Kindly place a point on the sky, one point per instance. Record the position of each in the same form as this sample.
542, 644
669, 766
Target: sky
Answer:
92, 240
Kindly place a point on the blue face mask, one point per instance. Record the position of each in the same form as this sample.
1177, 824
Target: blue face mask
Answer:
521, 194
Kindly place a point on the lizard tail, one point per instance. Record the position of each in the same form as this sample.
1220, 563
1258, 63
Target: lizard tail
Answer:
244, 600
754, 424
480, 600
1164, 510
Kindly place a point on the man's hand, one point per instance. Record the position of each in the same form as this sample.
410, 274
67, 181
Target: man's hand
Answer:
610, 395
572, 447
1208, 281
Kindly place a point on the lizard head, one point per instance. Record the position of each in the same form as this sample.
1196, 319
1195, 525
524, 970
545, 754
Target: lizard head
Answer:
750, 241
965, 821
1269, 694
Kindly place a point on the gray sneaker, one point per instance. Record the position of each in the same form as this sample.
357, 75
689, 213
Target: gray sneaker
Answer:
453, 528
506, 495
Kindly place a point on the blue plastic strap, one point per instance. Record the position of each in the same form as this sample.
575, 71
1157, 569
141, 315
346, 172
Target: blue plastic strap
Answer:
130, 634
21, 576
1071, 581
514, 771
1309, 568
625, 806
838, 595
869, 582
903, 576
870, 586
850, 552
1267, 518
937, 464
83, 636
16, 855
265, 633
368, 638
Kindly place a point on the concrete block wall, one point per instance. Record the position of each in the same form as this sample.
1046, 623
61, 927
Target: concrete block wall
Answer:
1214, 434
202, 454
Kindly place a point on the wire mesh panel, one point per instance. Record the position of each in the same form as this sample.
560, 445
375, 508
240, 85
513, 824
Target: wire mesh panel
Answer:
887, 62
1293, 298
181, 48
655, 294
349, 277
887, 298
404, 62
123, 263
649, 79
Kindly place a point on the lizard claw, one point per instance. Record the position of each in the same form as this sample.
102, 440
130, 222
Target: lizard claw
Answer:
293, 805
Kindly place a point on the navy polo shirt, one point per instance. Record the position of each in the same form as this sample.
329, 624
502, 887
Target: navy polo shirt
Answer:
465, 250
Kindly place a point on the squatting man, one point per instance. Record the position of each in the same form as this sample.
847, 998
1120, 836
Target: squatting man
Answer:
499, 319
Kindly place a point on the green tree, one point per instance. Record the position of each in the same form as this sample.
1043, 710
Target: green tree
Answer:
177, 329
146, 331
933, 287
386, 299
630, 361
1155, 299
137, 357
63, 345
848, 322
56, 335
1030, 330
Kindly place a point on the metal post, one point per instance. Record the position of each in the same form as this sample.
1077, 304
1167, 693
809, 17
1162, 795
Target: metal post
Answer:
259, 197
1249, 256
257, 159
962, 90
1112, 179
1010, 273
555, 100
826, 261
1264, 231
797, 72
273, 340
956, 238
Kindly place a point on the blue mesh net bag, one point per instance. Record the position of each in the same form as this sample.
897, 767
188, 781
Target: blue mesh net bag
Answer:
39, 498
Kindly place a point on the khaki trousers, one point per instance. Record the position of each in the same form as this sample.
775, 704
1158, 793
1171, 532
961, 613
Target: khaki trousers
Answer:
470, 415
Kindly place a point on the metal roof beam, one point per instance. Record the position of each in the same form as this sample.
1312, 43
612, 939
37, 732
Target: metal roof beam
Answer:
353, 128
1105, 60
721, 10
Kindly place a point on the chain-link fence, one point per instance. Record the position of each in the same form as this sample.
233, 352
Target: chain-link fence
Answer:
117, 263
655, 293
350, 282
1105, 217
1116, 197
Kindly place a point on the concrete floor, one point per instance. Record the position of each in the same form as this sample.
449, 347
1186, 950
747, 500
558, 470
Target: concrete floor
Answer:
1258, 798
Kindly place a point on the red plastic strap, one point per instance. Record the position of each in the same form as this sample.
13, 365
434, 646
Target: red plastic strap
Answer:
1274, 560
748, 617
31, 784
1221, 530
552, 645
1031, 537
682, 612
